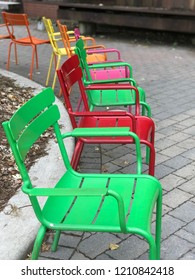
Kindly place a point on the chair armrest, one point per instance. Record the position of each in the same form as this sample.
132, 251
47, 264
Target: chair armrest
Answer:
108, 132
110, 86
56, 34
84, 38
111, 64
121, 209
89, 51
111, 81
100, 132
90, 192
102, 113
67, 192
70, 32
102, 47
26, 187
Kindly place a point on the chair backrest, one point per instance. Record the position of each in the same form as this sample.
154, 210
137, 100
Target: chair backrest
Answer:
54, 37
28, 123
12, 21
66, 38
69, 39
77, 33
70, 74
82, 54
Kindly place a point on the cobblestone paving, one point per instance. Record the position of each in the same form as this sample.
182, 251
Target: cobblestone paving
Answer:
167, 73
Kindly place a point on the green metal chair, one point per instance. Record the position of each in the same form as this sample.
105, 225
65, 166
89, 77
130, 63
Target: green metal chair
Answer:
119, 203
109, 73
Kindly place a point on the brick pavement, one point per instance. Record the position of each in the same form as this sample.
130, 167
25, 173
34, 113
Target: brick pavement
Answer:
167, 73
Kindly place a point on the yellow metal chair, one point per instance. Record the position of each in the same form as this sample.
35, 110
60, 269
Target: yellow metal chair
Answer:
58, 50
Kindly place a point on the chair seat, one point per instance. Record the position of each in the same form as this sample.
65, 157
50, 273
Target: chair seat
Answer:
91, 57
95, 58
106, 122
106, 74
144, 127
139, 194
35, 41
113, 97
4, 37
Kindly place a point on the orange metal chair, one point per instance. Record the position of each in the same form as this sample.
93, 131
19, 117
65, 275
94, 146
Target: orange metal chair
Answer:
12, 21
69, 39
7, 36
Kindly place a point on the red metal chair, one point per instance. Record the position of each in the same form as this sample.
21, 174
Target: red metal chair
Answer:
69, 75
12, 21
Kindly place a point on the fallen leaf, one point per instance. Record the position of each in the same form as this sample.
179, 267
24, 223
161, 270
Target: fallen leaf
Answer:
45, 247
113, 246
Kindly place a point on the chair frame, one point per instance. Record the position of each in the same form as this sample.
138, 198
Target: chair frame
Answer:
69, 74
73, 203
124, 75
11, 20
69, 38
7, 36
57, 50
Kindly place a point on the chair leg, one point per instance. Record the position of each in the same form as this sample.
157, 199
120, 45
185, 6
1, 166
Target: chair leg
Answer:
38, 243
150, 152
36, 55
9, 55
55, 75
16, 56
56, 240
77, 153
150, 158
32, 61
152, 249
158, 224
49, 70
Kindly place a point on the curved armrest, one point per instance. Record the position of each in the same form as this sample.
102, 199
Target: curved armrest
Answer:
101, 132
102, 114
104, 51
84, 38
90, 192
111, 81
109, 132
95, 47
56, 33
67, 192
111, 64
121, 209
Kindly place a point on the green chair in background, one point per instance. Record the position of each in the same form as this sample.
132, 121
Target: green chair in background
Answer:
109, 73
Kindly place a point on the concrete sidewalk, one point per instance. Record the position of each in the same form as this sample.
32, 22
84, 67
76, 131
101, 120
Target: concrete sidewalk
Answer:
167, 73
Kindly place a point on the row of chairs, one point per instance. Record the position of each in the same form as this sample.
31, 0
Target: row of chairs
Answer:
119, 203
